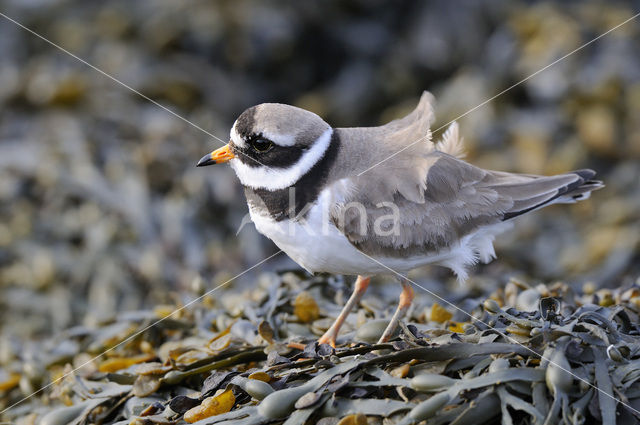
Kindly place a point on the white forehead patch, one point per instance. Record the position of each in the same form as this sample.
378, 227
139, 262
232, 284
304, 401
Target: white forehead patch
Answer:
279, 139
235, 137
270, 178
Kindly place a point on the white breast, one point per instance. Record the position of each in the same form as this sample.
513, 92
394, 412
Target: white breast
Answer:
315, 243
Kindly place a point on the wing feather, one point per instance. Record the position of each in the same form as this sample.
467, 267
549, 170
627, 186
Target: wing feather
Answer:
420, 198
451, 142
459, 199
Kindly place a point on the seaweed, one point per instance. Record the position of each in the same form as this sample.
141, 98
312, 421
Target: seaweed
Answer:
568, 361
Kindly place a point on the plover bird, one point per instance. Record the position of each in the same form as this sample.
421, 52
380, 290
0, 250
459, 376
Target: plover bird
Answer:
367, 200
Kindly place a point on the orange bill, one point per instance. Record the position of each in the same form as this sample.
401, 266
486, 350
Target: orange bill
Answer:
218, 156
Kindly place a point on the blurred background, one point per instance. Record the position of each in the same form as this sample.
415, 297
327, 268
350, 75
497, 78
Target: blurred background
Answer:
103, 210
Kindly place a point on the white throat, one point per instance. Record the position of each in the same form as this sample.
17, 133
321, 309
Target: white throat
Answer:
263, 177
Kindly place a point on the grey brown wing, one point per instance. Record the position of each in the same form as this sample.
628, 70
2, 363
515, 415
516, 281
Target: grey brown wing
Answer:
459, 199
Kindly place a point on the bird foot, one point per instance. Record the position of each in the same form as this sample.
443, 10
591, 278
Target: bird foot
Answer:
329, 337
390, 330
406, 298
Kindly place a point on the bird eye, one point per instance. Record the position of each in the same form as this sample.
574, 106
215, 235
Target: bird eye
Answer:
261, 145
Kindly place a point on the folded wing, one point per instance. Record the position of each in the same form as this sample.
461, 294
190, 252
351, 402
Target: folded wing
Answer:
459, 199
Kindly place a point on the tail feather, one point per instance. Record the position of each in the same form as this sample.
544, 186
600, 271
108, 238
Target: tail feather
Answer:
577, 190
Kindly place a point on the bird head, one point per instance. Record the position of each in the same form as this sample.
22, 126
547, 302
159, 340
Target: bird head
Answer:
273, 145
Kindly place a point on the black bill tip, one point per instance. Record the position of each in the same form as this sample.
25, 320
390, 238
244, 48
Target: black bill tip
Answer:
205, 160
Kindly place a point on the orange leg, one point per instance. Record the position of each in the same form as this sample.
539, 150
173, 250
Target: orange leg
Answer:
406, 298
330, 336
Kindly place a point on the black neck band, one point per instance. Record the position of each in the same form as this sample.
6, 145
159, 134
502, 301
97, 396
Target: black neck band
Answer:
302, 193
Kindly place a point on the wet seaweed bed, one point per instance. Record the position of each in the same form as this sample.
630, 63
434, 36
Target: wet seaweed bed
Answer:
251, 359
